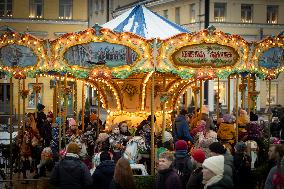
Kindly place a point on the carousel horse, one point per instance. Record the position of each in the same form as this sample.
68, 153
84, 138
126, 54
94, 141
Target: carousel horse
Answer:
252, 151
133, 147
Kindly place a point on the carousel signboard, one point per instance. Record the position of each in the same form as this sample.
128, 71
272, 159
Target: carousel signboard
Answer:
17, 56
272, 58
90, 54
207, 54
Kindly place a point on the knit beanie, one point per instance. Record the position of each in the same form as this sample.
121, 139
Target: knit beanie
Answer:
181, 145
215, 164
40, 107
72, 122
240, 146
217, 147
198, 155
168, 136
73, 147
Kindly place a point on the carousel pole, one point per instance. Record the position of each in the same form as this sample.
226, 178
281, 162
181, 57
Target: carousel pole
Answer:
75, 100
243, 93
83, 105
269, 98
229, 94
201, 97
55, 101
237, 106
59, 107
99, 112
65, 108
19, 101
153, 110
164, 112
11, 126
36, 97
218, 97
254, 99
248, 94
195, 98
24, 100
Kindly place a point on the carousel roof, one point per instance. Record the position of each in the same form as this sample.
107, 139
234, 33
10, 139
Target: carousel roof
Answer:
145, 23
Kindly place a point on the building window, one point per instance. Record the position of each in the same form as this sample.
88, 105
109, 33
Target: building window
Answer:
102, 5
36, 9
274, 93
177, 17
222, 93
111, 5
5, 98
272, 14
65, 9
246, 13
165, 13
192, 12
220, 12
6, 8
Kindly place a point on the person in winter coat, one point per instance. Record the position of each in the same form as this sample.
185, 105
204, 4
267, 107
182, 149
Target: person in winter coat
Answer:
213, 174
104, 171
275, 127
242, 167
226, 132
47, 136
196, 177
181, 128
123, 176
182, 163
167, 177
71, 172
276, 173
40, 119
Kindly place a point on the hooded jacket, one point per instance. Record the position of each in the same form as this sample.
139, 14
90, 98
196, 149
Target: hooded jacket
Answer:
71, 173
181, 129
103, 174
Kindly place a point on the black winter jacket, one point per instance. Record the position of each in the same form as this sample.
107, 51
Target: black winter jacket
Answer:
71, 173
195, 179
103, 174
225, 183
168, 179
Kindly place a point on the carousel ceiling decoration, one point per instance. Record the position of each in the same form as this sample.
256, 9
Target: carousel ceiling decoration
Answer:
203, 55
21, 54
268, 56
80, 53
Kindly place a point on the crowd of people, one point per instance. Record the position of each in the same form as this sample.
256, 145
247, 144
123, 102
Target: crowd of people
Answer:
196, 152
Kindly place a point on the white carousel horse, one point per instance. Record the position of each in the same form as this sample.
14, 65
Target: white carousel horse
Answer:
133, 147
252, 151
131, 153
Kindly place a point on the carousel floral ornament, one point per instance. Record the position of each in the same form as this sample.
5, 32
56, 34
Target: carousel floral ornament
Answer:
24, 93
242, 87
129, 89
36, 88
18, 74
165, 96
100, 73
195, 89
254, 94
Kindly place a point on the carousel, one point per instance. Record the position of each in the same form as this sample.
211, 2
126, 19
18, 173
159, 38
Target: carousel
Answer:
137, 72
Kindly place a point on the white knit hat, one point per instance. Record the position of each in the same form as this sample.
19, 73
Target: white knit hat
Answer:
215, 164
168, 136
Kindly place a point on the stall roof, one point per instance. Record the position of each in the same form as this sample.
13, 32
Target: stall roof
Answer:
145, 23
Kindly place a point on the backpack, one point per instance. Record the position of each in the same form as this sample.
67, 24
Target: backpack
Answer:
183, 166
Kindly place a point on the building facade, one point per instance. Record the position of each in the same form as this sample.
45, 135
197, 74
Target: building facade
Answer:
45, 19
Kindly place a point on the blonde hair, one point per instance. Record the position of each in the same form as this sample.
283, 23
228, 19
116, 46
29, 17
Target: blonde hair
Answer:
167, 155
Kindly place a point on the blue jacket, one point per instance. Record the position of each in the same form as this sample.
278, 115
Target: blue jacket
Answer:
103, 174
181, 129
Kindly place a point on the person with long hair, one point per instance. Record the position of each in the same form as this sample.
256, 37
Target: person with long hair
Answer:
123, 176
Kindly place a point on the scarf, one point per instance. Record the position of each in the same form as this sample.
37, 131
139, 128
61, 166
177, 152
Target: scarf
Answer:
213, 180
72, 155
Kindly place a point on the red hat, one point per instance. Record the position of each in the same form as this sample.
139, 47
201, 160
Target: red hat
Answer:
198, 155
181, 145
